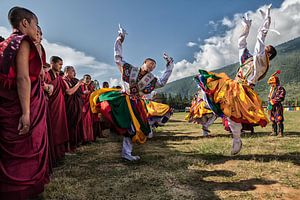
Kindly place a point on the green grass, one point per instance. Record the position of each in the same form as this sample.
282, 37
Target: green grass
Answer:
178, 163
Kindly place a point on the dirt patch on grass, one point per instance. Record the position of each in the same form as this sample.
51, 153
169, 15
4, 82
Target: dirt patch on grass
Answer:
279, 191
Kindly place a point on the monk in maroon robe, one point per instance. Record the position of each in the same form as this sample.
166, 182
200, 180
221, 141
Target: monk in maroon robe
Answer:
48, 90
74, 105
87, 89
23, 128
57, 108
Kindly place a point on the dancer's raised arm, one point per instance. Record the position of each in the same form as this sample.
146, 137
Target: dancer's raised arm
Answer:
262, 33
161, 81
118, 48
242, 42
260, 59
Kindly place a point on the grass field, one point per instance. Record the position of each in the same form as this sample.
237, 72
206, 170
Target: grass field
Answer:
178, 163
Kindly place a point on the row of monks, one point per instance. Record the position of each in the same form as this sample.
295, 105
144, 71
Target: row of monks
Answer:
69, 119
44, 112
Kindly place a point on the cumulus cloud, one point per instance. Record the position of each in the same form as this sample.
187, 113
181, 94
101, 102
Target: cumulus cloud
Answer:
191, 44
83, 63
220, 50
227, 22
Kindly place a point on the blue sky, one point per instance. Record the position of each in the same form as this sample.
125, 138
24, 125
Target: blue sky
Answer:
88, 29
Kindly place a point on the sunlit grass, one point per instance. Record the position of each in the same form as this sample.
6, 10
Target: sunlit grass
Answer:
178, 163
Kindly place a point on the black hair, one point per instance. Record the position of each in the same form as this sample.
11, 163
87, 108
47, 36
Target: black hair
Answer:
87, 75
46, 65
150, 59
17, 14
1, 39
273, 52
55, 59
67, 68
105, 84
40, 30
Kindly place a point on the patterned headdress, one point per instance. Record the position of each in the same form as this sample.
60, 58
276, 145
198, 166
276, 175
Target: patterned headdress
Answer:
274, 79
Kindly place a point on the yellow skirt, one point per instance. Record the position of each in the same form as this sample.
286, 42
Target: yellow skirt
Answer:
237, 100
157, 109
197, 111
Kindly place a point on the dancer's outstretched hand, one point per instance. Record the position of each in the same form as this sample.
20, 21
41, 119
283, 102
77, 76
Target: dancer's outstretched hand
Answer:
168, 59
246, 21
122, 31
267, 13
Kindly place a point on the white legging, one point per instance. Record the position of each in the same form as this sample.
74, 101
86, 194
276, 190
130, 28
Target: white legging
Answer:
235, 128
127, 146
209, 122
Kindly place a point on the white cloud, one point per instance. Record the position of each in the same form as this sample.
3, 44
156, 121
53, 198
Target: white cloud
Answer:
227, 22
83, 63
214, 25
4, 32
219, 51
191, 44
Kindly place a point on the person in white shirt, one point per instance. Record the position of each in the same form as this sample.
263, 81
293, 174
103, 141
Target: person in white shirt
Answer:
236, 99
253, 67
138, 82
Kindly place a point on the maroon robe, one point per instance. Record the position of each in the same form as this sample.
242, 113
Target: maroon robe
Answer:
87, 120
52, 159
23, 158
96, 126
58, 117
74, 105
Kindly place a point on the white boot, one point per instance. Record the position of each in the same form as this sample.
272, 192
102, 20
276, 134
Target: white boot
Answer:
236, 132
151, 133
127, 149
210, 120
236, 146
205, 131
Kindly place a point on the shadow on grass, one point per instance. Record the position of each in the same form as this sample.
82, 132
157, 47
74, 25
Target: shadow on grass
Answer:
255, 134
179, 135
198, 181
220, 159
263, 134
287, 134
176, 120
173, 136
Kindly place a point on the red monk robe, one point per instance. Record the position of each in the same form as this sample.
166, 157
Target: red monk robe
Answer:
58, 117
74, 105
88, 135
23, 158
52, 159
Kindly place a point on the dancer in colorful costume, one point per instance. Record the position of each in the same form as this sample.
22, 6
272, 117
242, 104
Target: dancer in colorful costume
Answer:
200, 113
127, 111
236, 98
275, 108
158, 113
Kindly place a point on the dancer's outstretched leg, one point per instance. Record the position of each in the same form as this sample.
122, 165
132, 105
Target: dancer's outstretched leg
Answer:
236, 132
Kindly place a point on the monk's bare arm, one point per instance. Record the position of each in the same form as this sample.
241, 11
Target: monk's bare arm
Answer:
23, 85
70, 91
